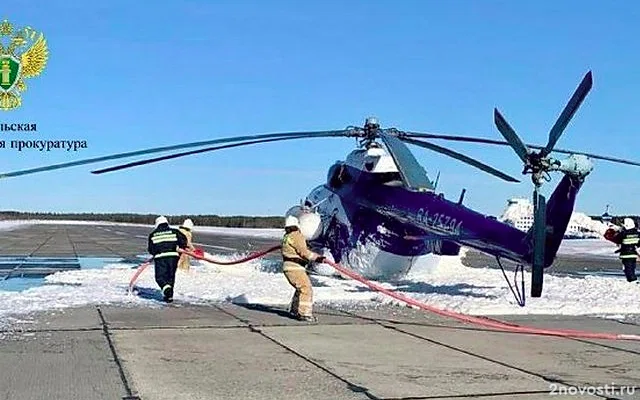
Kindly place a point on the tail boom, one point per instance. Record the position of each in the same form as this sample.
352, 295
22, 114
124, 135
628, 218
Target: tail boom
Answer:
559, 211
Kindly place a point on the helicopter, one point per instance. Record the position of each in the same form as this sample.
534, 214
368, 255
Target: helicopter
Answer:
381, 197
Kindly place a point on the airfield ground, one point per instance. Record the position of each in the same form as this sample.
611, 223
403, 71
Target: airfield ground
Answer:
228, 351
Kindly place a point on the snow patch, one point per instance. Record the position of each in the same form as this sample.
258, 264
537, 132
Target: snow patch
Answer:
448, 285
247, 232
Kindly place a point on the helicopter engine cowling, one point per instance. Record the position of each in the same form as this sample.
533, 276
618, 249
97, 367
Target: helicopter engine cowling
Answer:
309, 221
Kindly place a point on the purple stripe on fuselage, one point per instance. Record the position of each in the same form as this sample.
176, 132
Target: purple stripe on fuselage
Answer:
387, 215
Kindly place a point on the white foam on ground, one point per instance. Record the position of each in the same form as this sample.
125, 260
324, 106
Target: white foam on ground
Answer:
246, 232
450, 285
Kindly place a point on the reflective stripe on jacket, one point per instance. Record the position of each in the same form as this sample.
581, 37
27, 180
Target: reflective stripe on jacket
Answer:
164, 241
630, 239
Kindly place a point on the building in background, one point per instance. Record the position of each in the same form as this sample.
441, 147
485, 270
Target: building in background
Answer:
519, 213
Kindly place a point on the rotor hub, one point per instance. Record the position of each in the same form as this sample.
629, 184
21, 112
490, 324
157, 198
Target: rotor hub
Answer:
538, 166
370, 129
371, 122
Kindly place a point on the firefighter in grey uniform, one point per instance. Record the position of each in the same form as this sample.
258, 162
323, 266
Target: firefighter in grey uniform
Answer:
629, 239
163, 245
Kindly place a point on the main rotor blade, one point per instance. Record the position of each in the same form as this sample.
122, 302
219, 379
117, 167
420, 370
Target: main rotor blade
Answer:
470, 139
512, 137
463, 158
187, 153
413, 174
338, 133
569, 110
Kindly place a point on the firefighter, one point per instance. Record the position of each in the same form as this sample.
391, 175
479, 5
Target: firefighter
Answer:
629, 239
163, 245
187, 229
296, 256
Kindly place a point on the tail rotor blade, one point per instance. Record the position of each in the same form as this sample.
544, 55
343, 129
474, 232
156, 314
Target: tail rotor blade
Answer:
569, 110
512, 137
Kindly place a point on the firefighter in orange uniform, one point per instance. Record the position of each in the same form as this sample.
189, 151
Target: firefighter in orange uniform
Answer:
296, 256
187, 229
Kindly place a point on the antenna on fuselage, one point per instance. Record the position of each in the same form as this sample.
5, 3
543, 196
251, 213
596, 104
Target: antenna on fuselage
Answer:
435, 184
462, 196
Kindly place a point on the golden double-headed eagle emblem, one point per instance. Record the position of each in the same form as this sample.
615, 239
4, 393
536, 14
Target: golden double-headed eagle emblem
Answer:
23, 54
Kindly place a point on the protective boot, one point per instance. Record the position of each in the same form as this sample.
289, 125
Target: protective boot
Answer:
167, 293
293, 306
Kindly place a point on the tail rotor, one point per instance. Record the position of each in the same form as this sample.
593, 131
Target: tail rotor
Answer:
539, 164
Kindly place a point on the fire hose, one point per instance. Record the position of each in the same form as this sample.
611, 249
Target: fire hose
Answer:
200, 255
480, 321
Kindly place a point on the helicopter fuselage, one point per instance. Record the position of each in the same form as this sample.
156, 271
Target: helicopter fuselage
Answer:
370, 219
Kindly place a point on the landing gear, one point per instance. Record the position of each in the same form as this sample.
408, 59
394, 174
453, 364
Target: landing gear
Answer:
519, 296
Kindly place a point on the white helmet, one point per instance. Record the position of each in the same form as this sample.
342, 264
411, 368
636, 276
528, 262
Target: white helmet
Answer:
290, 221
629, 224
188, 223
161, 220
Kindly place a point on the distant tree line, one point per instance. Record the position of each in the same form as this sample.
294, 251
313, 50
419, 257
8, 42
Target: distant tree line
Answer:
234, 221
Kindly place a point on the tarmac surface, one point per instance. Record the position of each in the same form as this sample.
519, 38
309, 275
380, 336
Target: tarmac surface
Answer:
230, 351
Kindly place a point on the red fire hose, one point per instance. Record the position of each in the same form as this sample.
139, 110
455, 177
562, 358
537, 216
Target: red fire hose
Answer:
140, 269
199, 254
250, 257
481, 321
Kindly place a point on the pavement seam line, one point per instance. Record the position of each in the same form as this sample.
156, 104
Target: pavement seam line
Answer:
29, 256
545, 378
252, 328
606, 346
472, 354
351, 386
179, 327
72, 243
470, 396
129, 394
467, 328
